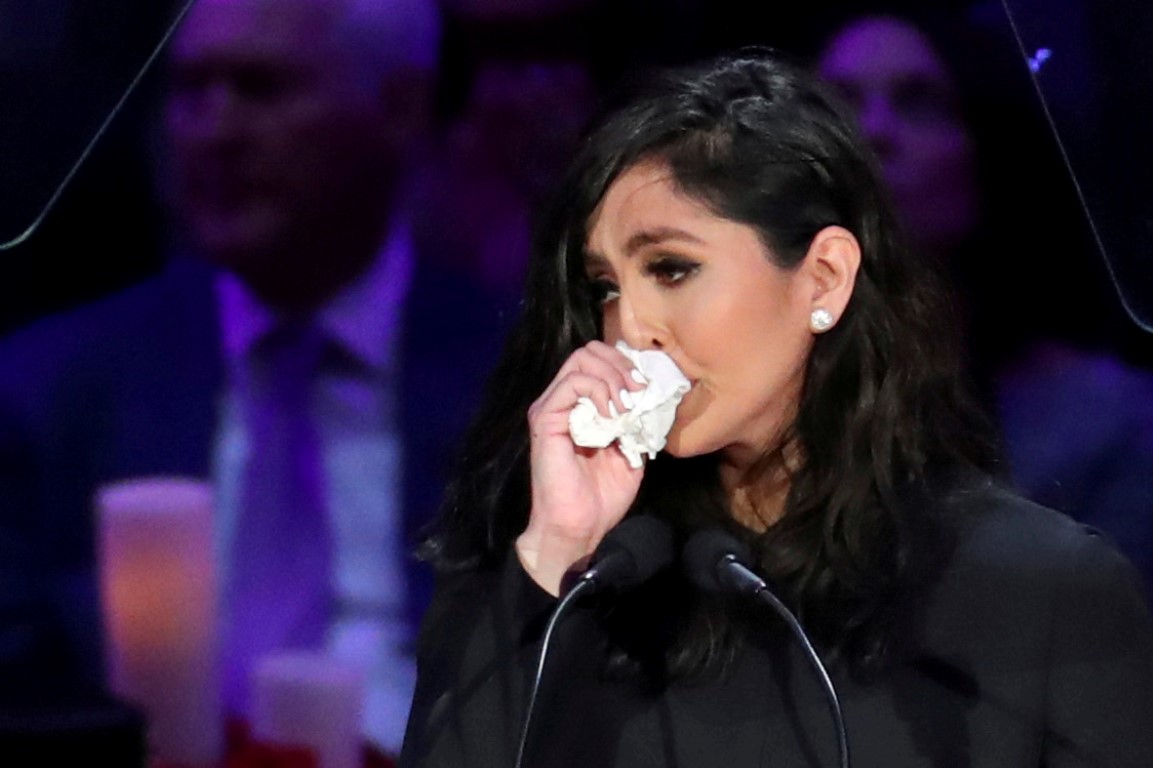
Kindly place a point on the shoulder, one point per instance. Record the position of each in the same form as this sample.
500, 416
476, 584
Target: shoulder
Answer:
997, 530
80, 361
98, 339
992, 522
1023, 571
1050, 616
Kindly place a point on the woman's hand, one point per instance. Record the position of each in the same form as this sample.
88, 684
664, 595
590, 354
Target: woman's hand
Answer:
578, 494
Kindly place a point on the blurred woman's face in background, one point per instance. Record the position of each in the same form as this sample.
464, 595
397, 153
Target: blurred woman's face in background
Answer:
675, 276
907, 106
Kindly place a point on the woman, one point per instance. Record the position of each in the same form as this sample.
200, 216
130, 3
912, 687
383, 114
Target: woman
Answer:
730, 216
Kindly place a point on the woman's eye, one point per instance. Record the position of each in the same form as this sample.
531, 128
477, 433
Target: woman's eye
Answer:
669, 271
602, 291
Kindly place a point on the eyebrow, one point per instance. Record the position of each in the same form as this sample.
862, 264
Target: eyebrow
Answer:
644, 238
658, 235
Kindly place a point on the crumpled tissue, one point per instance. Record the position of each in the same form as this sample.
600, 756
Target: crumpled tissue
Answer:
643, 428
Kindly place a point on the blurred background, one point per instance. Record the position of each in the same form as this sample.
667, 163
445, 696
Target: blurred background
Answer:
1047, 234
516, 80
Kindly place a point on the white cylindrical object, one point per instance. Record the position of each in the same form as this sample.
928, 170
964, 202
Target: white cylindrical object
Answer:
158, 584
308, 699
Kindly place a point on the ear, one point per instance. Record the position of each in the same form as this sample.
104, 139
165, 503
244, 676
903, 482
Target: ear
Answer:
831, 267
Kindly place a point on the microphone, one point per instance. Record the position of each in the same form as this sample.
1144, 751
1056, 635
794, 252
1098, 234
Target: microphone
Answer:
716, 561
630, 554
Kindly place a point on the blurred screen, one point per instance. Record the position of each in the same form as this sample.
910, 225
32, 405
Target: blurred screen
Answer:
65, 68
1093, 68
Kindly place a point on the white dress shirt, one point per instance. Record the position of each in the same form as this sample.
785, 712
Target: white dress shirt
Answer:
355, 413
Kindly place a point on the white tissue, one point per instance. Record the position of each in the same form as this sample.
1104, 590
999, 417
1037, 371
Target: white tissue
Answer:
643, 428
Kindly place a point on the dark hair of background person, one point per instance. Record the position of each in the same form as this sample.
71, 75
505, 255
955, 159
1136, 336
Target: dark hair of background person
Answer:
1036, 272
882, 409
1032, 270
467, 42
615, 39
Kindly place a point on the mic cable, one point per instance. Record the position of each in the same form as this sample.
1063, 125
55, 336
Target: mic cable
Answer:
716, 562
629, 555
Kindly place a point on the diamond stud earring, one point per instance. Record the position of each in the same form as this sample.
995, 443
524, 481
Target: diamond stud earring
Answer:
821, 320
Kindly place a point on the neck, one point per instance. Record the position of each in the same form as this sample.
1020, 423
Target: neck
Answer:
757, 487
757, 504
314, 270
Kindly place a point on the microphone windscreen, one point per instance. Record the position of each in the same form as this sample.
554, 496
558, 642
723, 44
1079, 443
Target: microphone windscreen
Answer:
633, 551
705, 552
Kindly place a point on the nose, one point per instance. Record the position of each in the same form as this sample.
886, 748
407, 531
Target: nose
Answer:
208, 113
637, 322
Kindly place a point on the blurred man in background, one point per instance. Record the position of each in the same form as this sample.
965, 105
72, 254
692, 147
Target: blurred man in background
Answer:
294, 352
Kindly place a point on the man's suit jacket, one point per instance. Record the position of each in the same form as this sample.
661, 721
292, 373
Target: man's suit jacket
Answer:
130, 386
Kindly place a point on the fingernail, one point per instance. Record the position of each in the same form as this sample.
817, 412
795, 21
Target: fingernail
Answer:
627, 399
613, 409
638, 377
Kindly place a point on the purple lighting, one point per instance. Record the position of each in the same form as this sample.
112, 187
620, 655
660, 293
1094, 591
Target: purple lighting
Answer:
1039, 58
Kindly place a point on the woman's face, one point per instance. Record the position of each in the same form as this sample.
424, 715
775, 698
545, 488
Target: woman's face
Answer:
679, 278
906, 102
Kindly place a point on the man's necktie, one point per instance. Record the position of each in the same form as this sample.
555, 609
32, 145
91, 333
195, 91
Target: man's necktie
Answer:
280, 594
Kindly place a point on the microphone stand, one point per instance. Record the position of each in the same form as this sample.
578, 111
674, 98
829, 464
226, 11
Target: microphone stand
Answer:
630, 553
582, 586
743, 579
830, 692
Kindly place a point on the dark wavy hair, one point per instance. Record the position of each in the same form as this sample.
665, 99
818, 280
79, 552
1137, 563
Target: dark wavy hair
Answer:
883, 409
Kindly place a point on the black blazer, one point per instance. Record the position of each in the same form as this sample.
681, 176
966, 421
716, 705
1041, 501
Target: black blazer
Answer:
129, 386
1033, 647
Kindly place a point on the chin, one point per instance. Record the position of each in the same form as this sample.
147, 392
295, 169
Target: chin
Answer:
235, 247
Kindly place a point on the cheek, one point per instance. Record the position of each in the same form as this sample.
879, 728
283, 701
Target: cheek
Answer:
610, 323
726, 331
702, 320
940, 149
753, 348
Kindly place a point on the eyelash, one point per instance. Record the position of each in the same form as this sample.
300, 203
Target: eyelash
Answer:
668, 271
601, 290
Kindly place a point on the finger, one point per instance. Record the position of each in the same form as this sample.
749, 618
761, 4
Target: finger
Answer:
614, 356
616, 373
598, 358
563, 395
